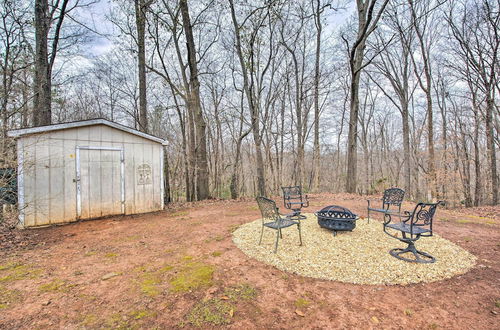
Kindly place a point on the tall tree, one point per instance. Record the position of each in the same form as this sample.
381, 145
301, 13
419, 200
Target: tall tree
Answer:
45, 16
368, 18
476, 31
249, 87
194, 105
140, 22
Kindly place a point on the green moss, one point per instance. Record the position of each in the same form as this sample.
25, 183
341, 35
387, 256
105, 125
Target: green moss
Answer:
301, 303
89, 320
216, 254
118, 321
212, 311
150, 280
241, 292
149, 285
178, 214
192, 276
7, 297
14, 271
141, 314
56, 285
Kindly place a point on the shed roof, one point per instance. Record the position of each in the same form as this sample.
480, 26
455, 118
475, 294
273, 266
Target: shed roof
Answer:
55, 127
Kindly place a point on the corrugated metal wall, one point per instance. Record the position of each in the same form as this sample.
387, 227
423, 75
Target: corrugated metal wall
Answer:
50, 182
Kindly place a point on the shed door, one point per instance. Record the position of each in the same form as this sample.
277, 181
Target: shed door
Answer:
99, 182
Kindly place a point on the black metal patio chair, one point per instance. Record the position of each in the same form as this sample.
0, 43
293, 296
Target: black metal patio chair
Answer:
294, 200
271, 218
412, 226
392, 196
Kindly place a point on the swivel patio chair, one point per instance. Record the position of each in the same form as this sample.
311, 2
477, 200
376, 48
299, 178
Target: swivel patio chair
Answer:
392, 196
413, 225
295, 201
271, 218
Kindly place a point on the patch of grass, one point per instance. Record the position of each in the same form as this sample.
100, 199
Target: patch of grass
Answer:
243, 291
497, 303
302, 303
218, 238
192, 276
150, 280
253, 207
90, 253
7, 297
187, 258
408, 312
141, 314
434, 326
117, 321
178, 214
111, 255
56, 285
463, 221
232, 228
210, 312
14, 271
149, 284
89, 320
216, 254
467, 239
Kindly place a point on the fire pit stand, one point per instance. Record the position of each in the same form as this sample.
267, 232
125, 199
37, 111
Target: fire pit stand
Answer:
336, 218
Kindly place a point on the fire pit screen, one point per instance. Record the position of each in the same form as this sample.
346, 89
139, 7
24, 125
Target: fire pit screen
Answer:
336, 218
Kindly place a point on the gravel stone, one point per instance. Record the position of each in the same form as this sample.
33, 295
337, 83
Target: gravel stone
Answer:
360, 257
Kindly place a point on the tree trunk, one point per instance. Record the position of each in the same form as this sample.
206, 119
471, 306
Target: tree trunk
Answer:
252, 104
140, 20
316, 147
202, 189
490, 143
42, 83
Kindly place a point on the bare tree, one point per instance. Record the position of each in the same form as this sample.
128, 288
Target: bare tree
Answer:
368, 18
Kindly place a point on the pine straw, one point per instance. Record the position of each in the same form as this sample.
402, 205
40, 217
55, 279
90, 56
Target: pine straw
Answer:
359, 257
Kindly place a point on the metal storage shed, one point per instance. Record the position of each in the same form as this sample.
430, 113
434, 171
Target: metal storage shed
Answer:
86, 169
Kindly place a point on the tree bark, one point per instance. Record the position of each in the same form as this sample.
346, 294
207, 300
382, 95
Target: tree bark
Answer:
194, 102
140, 20
42, 83
252, 104
316, 147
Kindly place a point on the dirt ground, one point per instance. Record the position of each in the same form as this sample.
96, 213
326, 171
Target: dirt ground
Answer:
180, 268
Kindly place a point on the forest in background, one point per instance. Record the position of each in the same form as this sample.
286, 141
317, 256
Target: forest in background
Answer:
339, 96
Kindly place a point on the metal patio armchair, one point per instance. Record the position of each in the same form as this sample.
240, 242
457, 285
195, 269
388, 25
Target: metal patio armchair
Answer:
271, 218
392, 196
295, 201
412, 226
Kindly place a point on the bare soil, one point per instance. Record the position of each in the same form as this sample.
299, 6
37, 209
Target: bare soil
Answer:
132, 272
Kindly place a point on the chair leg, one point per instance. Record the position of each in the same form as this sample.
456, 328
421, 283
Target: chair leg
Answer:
277, 239
261, 233
368, 215
427, 258
281, 234
300, 234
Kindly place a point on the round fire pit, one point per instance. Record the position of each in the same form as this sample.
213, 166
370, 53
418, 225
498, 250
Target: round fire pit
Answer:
336, 218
